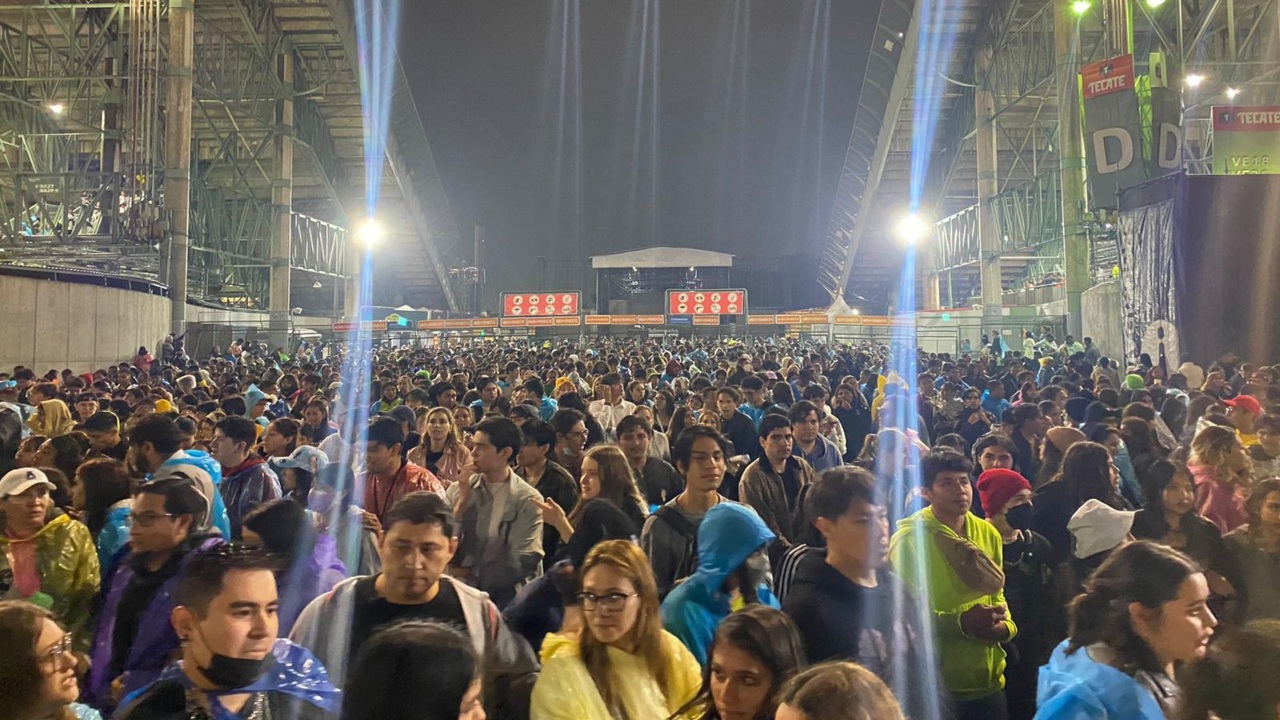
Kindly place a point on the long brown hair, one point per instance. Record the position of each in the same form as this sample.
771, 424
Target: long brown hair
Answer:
617, 481
1214, 448
450, 440
21, 679
628, 558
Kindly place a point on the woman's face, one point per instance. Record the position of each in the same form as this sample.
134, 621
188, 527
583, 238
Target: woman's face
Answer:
46, 454
274, 443
1270, 512
26, 455
590, 481
289, 479
313, 416
1181, 629
612, 617
1179, 497
462, 416
438, 426
77, 493
57, 664
740, 683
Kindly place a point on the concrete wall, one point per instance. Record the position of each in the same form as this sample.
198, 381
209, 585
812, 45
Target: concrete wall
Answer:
1102, 318
55, 325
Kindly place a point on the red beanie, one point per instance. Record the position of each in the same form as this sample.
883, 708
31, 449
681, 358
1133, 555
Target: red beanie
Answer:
996, 486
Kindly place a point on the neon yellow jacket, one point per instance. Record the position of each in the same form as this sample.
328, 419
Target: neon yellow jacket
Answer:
971, 668
565, 691
67, 561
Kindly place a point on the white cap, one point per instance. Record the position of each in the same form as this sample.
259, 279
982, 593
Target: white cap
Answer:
1098, 527
16, 482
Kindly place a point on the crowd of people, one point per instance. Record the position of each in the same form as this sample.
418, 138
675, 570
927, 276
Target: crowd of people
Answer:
639, 529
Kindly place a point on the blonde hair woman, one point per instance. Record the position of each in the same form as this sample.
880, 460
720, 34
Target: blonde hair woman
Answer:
606, 474
441, 450
622, 664
1222, 469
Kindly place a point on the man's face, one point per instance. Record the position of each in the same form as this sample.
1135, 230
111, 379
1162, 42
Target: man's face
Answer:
951, 495
152, 529
613, 393
486, 457
844, 397
380, 459
862, 532
448, 398
752, 397
634, 444
490, 393
27, 509
226, 450
85, 408
102, 439
726, 406
414, 556
531, 455
1270, 440
1241, 418
241, 621
993, 457
778, 445
806, 428
575, 441
972, 400
706, 467
389, 392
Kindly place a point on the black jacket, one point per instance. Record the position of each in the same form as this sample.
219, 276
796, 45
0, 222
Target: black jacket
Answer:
841, 620
168, 701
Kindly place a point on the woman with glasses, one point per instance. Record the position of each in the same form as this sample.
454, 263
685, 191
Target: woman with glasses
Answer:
622, 663
38, 666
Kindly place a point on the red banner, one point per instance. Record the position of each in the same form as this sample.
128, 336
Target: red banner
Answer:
1242, 118
1107, 76
706, 302
375, 326
558, 304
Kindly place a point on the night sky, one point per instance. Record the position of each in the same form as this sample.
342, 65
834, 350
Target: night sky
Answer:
751, 127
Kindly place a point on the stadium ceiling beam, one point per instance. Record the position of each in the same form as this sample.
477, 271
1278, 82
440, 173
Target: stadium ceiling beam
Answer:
864, 166
407, 140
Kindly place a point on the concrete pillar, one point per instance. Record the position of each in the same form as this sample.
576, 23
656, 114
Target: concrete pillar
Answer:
1072, 162
177, 154
989, 241
282, 198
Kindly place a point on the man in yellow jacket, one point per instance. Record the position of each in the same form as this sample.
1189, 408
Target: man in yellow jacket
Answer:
50, 562
952, 559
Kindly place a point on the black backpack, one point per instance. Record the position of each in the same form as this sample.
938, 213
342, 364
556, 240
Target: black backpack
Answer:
687, 530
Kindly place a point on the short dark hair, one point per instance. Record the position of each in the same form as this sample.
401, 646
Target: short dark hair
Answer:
834, 491
423, 508
940, 460
565, 418
186, 426
612, 378
683, 450
732, 392
102, 421
801, 410
158, 430
502, 433
239, 429
283, 526
202, 579
538, 432
181, 497
632, 423
769, 423
526, 411
751, 382
1269, 422
994, 440
385, 431
535, 386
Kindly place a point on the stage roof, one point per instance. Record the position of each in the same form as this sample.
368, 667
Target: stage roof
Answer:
662, 257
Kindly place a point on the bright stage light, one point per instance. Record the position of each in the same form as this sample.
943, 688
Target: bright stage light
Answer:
1232, 93
1153, 4
57, 108
1195, 80
1080, 7
912, 229
370, 233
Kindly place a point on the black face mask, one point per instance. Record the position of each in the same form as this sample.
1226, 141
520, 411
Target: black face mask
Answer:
230, 673
1021, 517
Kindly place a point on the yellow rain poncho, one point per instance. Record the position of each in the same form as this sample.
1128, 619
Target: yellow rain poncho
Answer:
68, 565
564, 690
52, 419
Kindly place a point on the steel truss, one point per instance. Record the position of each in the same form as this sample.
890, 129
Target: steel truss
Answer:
71, 199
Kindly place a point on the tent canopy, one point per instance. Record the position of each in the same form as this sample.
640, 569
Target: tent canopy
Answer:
662, 257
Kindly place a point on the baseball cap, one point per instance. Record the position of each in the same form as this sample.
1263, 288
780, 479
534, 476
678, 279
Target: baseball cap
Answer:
305, 457
1097, 527
8, 384
1246, 403
16, 482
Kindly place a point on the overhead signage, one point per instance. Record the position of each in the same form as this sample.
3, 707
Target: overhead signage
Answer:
1246, 140
598, 319
651, 320
789, 318
559, 304
706, 302
706, 319
369, 326
814, 318
761, 320
1113, 129
484, 323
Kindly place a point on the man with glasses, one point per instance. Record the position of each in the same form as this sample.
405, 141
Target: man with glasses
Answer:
134, 638
571, 440
819, 452
50, 562
419, 542
501, 524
